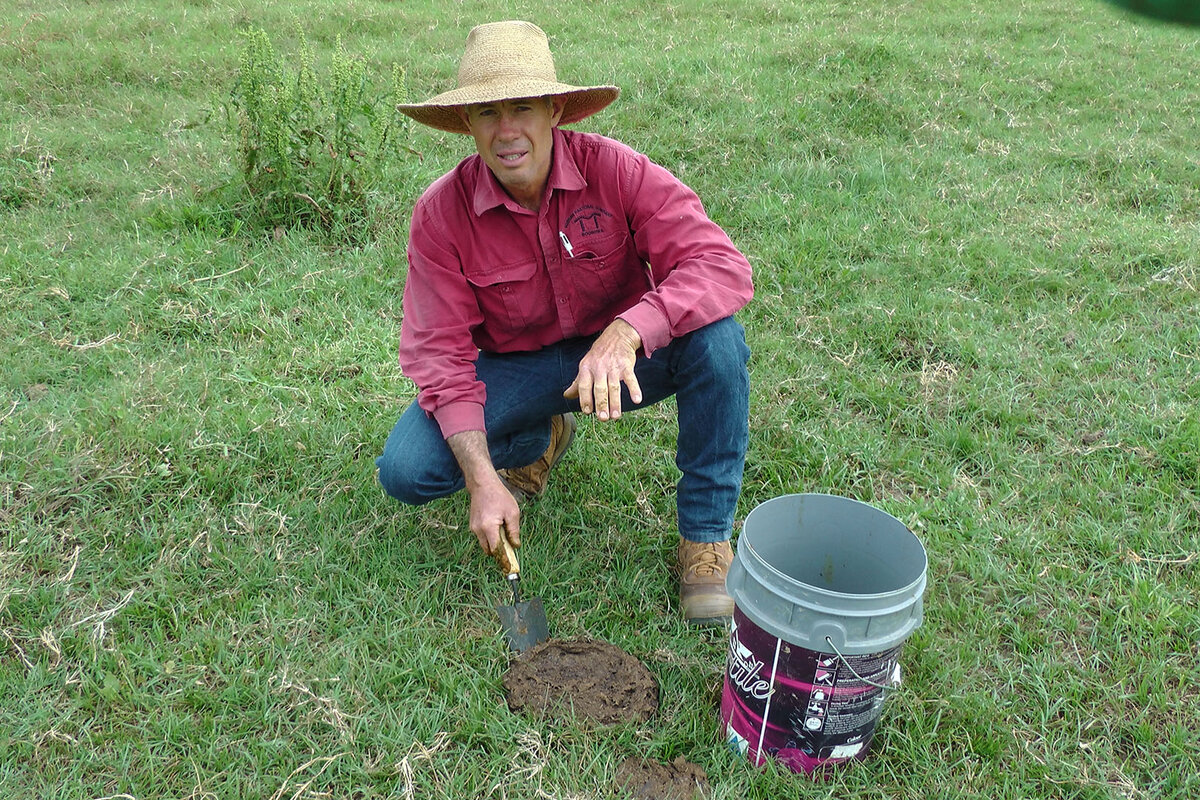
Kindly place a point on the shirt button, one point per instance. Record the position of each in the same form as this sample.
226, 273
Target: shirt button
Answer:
562, 301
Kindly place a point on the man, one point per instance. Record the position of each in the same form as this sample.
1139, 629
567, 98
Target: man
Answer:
556, 272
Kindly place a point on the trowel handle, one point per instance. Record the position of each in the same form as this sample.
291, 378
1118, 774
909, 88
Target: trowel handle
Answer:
505, 556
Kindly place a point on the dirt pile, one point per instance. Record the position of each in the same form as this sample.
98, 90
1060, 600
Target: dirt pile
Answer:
650, 780
590, 680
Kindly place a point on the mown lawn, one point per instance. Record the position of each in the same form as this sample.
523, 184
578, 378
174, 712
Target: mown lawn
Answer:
975, 235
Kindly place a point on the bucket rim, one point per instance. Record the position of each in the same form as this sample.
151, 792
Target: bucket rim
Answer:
905, 590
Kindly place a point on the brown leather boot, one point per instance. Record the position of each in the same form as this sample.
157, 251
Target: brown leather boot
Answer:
528, 482
702, 571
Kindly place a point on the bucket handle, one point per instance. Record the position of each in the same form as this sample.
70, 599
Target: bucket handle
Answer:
854, 672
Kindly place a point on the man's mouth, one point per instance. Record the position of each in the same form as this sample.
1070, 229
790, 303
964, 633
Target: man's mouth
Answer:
512, 157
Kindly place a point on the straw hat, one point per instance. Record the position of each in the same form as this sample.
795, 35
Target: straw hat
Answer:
504, 61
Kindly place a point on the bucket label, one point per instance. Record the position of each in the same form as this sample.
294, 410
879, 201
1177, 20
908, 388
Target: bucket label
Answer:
802, 707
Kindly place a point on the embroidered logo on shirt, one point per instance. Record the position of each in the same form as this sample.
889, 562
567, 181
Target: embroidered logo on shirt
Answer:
588, 220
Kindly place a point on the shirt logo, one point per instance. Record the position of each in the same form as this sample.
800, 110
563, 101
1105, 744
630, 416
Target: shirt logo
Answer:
588, 220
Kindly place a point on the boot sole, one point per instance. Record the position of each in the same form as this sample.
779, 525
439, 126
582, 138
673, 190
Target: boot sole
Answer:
709, 611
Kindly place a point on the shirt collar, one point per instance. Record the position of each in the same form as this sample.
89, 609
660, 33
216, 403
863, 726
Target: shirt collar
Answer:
564, 175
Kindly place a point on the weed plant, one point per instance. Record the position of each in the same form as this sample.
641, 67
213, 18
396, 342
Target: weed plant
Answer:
314, 153
974, 229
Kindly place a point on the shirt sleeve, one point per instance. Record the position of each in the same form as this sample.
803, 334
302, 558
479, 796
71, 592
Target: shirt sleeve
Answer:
698, 275
440, 312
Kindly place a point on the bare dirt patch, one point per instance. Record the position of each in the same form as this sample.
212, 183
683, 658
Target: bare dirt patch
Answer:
589, 680
650, 780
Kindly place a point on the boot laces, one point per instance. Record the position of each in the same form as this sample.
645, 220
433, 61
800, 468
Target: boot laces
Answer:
706, 561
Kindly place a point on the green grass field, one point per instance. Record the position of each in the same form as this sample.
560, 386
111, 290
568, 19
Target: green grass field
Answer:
975, 229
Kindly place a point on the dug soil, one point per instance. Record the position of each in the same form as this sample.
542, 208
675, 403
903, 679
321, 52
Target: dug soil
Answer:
650, 780
588, 680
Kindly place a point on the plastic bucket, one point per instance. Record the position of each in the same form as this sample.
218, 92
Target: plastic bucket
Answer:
826, 590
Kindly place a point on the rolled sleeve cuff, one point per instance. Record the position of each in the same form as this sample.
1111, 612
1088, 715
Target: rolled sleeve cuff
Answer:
458, 417
651, 325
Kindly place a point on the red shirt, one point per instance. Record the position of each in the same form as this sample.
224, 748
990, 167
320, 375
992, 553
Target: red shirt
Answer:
616, 236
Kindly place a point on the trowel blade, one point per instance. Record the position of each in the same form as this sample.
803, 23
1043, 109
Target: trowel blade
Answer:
524, 624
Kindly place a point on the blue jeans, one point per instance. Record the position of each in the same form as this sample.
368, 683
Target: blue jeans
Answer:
705, 370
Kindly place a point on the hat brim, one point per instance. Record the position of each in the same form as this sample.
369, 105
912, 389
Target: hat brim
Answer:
441, 111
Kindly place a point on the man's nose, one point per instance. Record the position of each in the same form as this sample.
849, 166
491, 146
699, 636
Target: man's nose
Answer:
508, 124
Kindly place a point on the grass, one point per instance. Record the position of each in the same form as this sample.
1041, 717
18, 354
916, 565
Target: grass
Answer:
974, 231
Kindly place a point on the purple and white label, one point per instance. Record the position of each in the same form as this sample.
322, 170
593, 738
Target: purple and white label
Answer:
801, 707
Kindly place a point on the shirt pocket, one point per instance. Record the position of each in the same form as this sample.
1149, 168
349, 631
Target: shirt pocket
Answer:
602, 268
503, 294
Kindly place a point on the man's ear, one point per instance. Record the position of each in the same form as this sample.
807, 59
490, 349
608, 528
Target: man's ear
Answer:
463, 115
558, 104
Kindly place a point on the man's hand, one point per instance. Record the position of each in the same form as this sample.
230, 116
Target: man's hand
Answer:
607, 365
494, 511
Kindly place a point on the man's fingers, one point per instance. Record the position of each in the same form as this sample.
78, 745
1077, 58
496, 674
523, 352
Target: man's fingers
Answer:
583, 386
601, 393
602, 396
614, 399
635, 389
493, 540
607, 366
512, 530
489, 538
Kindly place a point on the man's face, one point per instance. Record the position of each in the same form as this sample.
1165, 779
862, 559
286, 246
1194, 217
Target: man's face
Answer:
515, 139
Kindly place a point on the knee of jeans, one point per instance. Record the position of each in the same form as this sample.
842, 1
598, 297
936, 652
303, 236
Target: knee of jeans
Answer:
721, 346
402, 484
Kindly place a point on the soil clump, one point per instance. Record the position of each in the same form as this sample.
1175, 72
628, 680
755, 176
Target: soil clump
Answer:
650, 780
593, 681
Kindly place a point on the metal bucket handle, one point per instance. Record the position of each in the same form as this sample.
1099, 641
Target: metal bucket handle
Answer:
888, 688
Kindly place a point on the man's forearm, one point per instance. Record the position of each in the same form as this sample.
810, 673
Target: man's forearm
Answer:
471, 451
494, 511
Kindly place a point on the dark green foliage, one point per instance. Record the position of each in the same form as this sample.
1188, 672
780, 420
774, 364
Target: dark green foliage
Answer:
1186, 12
312, 149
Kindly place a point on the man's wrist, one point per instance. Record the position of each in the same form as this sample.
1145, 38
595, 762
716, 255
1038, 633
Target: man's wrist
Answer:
628, 333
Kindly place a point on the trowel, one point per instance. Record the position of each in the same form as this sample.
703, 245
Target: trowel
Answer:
524, 623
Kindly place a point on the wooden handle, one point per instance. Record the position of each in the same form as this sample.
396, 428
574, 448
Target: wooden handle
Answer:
506, 557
